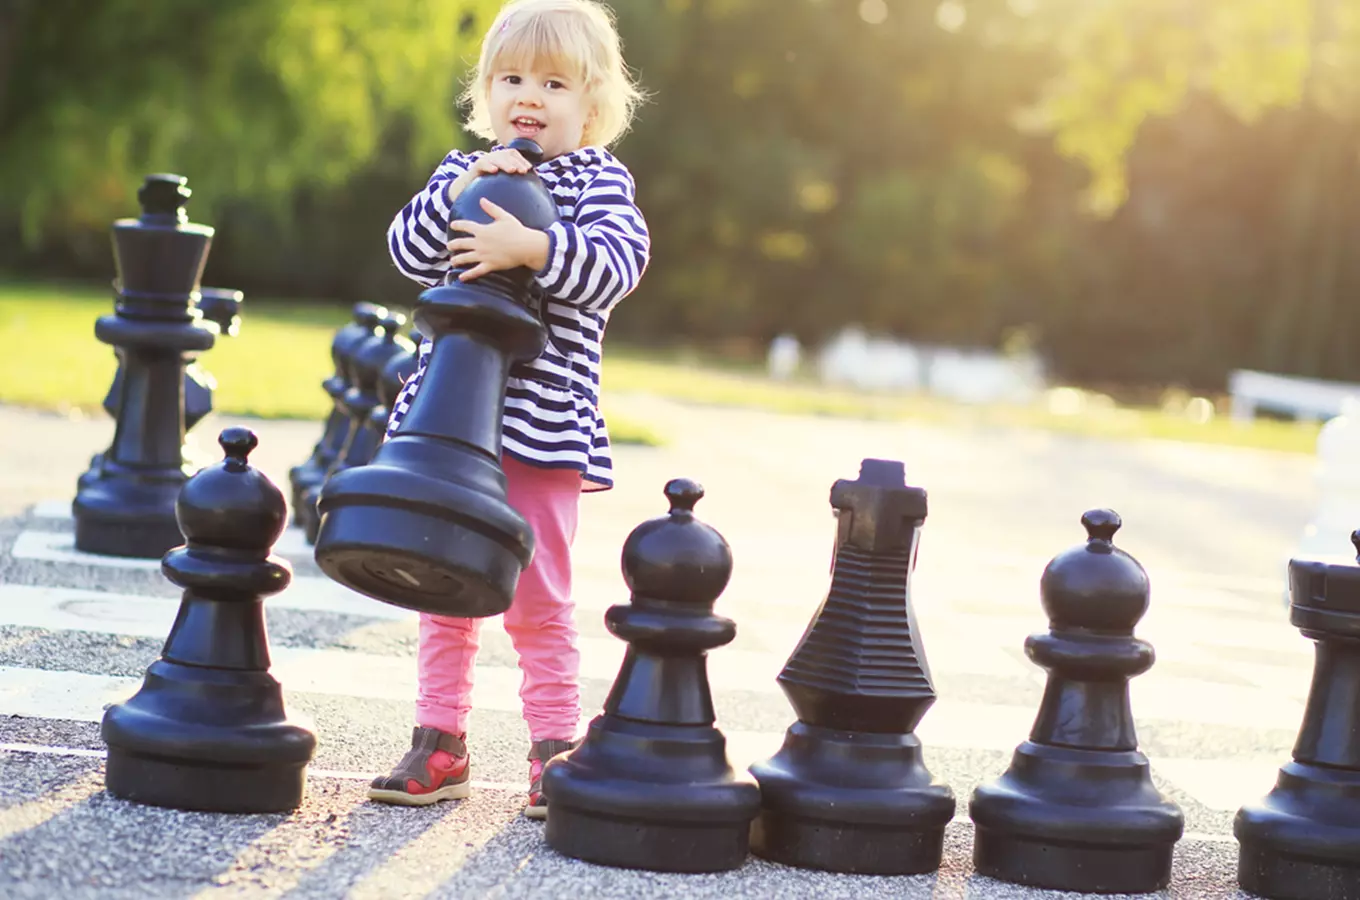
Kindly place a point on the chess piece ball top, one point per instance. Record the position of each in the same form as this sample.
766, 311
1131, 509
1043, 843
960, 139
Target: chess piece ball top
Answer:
232, 504
528, 149
524, 196
675, 557
1095, 586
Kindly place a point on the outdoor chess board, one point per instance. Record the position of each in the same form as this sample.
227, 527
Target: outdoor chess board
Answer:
1217, 715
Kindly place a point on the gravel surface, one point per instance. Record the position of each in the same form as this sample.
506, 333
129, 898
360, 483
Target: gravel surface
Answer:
1206, 522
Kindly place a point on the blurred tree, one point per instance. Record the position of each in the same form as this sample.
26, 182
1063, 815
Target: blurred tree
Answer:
1288, 71
807, 164
250, 99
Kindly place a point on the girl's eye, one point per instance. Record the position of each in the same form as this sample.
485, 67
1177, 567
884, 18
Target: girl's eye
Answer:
553, 83
511, 79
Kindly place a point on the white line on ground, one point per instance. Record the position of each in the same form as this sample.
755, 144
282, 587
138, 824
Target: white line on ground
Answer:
80, 697
293, 543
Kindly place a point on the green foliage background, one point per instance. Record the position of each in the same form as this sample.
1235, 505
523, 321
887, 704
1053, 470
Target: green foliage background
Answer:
1154, 191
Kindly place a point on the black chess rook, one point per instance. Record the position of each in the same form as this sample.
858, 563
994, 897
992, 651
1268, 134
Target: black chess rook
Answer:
651, 787
1077, 809
426, 524
125, 504
849, 790
208, 729
1302, 840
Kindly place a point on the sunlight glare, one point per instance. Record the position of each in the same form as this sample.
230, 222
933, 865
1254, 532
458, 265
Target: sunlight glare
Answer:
950, 15
875, 12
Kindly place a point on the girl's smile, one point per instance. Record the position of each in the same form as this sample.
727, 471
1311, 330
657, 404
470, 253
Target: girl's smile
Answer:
539, 103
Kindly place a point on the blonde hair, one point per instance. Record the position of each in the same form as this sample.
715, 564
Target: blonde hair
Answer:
576, 34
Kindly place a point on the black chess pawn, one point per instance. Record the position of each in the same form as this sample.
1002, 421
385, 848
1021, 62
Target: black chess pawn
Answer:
1302, 840
849, 791
208, 729
1077, 809
394, 375
125, 505
361, 441
365, 322
650, 787
426, 524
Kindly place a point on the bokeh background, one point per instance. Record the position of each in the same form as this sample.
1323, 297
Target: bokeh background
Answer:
1146, 192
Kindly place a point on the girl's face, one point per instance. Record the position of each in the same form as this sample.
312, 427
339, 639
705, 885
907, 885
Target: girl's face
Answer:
540, 103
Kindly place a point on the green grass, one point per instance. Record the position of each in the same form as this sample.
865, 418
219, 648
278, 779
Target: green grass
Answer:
274, 367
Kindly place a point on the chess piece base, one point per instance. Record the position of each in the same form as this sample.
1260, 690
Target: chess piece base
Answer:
653, 797
1075, 820
206, 739
851, 802
203, 787
119, 514
1301, 841
421, 543
1084, 868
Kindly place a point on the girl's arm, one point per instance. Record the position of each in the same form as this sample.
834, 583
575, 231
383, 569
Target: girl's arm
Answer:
597, 260
417, 237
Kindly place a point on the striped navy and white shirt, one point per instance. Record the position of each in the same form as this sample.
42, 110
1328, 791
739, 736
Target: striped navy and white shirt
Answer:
597, 253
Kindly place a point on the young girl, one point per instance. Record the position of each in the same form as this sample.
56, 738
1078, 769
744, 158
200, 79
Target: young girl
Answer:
551, 71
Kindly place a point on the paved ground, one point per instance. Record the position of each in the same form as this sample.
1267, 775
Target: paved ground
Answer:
1216, 715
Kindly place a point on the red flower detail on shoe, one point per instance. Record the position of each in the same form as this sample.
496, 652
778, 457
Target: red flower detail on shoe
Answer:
441, 766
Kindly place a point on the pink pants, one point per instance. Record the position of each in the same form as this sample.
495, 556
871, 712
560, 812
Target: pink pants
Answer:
539, 621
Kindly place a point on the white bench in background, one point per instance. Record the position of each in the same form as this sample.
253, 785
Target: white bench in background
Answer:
1304, 398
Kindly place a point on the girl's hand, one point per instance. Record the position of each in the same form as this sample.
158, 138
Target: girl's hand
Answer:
503, 243
507, 160
511, 161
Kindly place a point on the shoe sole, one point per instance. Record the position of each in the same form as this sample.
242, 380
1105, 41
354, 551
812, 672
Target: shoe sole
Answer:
402, 798
536, 812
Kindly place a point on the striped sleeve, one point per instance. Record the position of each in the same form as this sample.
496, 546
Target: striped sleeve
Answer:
417, 236
597, 259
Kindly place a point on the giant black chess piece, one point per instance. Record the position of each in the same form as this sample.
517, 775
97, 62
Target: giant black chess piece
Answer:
1302, 840
394, 376
126, 505
426, 524
1077, 809
208, 730
650, 787
367, 363
220, 309
310, 474
849, 791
